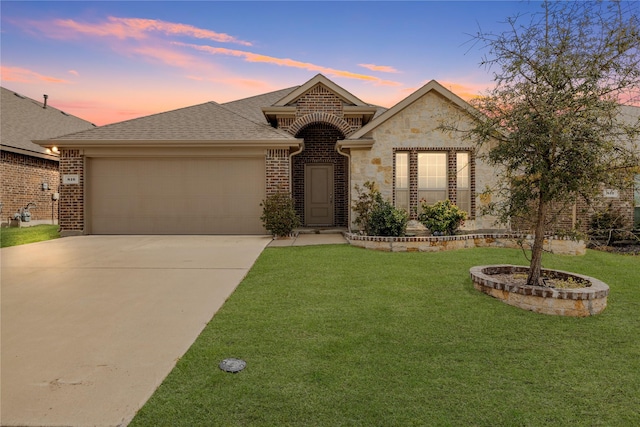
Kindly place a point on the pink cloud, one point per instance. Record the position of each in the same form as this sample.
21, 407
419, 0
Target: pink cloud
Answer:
132, 28
466, 91
74, 72
168, 56
381, 68
23, 75
287, 62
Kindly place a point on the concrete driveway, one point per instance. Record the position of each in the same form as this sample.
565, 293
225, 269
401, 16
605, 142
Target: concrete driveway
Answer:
91, 325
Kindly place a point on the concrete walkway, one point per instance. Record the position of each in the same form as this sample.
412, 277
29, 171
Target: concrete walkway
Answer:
92, 325
308, 239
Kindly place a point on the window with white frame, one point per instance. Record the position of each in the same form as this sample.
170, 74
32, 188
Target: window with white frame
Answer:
432, 177
463, 182
402, 181
433, 180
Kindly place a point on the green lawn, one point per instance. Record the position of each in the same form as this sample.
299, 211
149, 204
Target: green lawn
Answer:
19, 236
341, 336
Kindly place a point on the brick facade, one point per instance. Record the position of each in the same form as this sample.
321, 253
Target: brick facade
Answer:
72, 195
277, 168
319, 120
320, 142
577, 216
22, 179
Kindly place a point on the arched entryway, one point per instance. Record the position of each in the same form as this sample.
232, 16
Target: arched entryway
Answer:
320, 178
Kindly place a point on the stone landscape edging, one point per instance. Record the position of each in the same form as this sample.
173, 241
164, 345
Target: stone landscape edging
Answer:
558, 245
579, 302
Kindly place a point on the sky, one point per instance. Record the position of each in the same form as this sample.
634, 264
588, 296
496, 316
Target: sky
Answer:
111, 61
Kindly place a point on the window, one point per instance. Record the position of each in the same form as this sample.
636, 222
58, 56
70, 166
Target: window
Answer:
433, 181
463, 182
402, 181
432, 177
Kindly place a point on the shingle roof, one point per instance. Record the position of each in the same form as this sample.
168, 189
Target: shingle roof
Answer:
251, 108
204, 122
23, 120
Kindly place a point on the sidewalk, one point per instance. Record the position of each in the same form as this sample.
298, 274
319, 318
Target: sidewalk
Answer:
304, 238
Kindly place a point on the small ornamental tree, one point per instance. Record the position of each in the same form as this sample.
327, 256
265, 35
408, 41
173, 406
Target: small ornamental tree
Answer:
279, 215
552, 124
368, 198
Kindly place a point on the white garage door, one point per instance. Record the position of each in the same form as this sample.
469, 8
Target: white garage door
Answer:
175, 195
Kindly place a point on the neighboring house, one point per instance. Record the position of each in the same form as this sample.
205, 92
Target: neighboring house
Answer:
205, 169
623, 201
30, 172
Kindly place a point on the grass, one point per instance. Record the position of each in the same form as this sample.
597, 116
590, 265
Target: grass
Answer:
341, 336
20, 236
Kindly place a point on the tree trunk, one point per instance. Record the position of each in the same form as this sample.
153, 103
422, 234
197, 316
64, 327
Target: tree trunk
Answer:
535, 268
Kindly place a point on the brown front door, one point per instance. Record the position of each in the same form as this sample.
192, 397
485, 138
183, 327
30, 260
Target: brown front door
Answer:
318, 195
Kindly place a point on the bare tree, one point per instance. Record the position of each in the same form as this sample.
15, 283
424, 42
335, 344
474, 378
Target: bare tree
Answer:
551, 123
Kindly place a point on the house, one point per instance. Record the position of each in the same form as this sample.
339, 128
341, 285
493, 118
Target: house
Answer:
205, 169
30, 172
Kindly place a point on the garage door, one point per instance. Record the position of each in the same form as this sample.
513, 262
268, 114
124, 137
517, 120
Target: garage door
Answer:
175, 195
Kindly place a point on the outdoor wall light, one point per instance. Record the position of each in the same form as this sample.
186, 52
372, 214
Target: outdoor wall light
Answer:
55, 149
45, 186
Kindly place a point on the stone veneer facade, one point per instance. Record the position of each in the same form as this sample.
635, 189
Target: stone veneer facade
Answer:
22, 179
415, 129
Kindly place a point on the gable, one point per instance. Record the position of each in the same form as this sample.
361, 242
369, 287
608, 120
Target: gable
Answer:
320, 83
433, 88
319, 97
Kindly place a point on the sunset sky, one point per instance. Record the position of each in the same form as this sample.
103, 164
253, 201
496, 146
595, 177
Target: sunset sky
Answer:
111, 61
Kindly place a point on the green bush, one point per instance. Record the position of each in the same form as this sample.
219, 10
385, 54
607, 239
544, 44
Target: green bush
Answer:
608, 224
375, 216
368, 198
442, 218
279, 215
387, 220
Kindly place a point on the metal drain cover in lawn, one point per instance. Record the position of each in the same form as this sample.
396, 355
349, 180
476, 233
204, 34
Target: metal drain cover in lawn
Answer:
232, 365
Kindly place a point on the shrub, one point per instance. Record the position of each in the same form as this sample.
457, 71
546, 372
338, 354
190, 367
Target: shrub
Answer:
368, 198
442, 217
608, 224
387, 220
375, 216
279, 214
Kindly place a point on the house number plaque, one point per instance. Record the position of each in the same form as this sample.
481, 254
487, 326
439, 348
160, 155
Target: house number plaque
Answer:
70, 179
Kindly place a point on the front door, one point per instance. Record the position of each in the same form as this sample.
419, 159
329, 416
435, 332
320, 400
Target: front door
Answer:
318, 195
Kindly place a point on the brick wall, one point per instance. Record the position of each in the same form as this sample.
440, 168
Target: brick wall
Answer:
569, 216
320, 141
277, 167
72, 195
319, 98
22, 178
320, 121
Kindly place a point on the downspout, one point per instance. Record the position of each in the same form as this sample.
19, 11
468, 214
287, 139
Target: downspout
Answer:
348, 156
295, 153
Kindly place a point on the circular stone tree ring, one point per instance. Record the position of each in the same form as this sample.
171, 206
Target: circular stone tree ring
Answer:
232, 365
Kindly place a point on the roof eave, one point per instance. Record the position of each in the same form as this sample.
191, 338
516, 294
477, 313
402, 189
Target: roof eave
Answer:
262, 143
31, 153
357, 144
